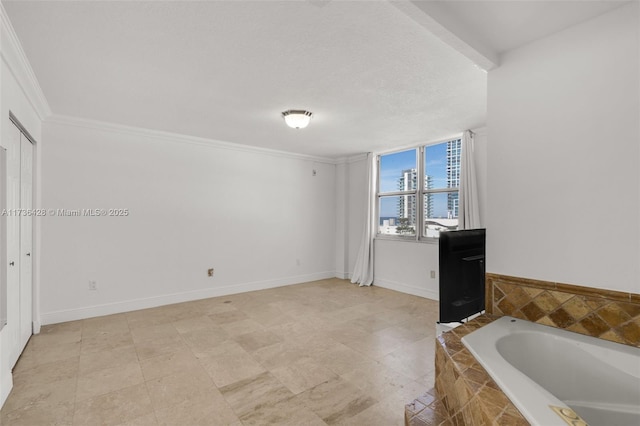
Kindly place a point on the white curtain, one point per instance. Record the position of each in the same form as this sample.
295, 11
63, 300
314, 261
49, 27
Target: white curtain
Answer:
468, 212
363, 270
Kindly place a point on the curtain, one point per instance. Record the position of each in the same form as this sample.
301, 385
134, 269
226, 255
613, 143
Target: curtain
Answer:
363, 270
468, 214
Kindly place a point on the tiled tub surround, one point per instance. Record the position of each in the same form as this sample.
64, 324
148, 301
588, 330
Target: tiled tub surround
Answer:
539, 367
606, 314
464, 393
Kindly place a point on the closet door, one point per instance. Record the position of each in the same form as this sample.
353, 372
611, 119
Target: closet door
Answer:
3, 246
13, 244
26, 241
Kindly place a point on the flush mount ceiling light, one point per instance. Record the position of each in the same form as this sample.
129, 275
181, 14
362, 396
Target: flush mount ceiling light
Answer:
297, 118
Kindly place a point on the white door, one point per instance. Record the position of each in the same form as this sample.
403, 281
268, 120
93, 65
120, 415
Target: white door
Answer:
26, 241
3, 249
13, 243
19, 242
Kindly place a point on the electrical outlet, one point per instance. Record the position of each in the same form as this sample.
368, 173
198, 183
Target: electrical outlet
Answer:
210, 272
433, 274
93, 285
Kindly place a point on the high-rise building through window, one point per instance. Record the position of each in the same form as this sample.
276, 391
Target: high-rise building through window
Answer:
428, 198
407, 203
418, 190
453, 176
408, 182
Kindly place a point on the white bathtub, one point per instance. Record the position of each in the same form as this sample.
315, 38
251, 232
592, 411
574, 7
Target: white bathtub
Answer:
538, 366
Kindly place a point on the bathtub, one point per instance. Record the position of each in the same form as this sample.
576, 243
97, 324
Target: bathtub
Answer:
540, 367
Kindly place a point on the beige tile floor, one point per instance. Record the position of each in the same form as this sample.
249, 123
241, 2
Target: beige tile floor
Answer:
325, 352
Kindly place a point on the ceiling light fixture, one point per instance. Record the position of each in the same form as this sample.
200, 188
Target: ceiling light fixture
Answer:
297, 118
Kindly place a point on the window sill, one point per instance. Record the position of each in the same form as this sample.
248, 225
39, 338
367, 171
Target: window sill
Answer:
425, 240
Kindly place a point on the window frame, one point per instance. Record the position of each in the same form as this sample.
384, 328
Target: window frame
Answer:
419, 192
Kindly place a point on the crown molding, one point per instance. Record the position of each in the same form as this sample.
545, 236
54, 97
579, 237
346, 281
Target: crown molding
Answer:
13, 55
480, 131
104, 126
351, 159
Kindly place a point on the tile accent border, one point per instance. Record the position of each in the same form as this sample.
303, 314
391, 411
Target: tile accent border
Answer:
606, 314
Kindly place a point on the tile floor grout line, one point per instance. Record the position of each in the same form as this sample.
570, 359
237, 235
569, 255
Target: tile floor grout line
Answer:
279, 328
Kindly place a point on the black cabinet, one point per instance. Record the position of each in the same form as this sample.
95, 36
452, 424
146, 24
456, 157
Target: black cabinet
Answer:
462, 269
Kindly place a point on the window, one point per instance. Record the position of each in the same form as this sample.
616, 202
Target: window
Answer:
418, 191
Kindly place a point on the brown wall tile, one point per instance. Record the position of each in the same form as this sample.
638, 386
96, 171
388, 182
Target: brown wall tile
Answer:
613, 314
612, 336
594, 325
532, 292
577, 328
546, 302
607, 314
561, 318
531, 312
631, 308
465, 392
631, 331
576, 307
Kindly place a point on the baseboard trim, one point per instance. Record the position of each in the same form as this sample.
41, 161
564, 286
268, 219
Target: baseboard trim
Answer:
5, 387
343, 275
405, 288
168, 299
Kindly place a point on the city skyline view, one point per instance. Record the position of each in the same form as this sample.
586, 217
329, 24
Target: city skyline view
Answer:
396, 170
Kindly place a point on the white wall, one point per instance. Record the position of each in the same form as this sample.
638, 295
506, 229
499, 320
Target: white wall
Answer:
342, 238
16, 95
250, 215
563, 181
405, 266
351, 190
357, 209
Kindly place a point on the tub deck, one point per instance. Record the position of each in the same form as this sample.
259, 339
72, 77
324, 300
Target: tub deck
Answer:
554, 375
464, 394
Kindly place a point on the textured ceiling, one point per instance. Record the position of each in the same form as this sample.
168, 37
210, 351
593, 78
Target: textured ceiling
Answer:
226, 70
374, 77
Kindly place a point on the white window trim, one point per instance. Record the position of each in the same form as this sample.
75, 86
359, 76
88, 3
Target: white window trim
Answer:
419, 193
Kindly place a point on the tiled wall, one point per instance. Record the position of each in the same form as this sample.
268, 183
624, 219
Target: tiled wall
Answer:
466, 395
469, 395
606, 314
